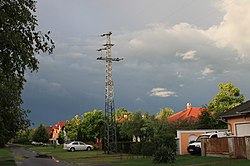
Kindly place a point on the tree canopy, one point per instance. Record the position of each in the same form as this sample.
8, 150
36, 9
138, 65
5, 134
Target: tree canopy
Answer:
88, 127
164, 113
20, 42
228, 97
41, 134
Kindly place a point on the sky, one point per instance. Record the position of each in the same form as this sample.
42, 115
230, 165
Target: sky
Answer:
174, 52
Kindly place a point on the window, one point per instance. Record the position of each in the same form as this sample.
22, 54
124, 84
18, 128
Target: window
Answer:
214, 136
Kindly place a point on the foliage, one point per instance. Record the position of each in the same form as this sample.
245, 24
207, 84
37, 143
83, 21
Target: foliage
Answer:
164, 113
24, 136
91, 126
150, 133
206, 121
139, 126
61, 138
144, 148
41, 134
123, 113
164, 140
183, 124
227, 98
87, 128
20, 41
165, 154
72, 127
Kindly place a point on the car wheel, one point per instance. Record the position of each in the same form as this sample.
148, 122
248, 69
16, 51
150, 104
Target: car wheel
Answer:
72, 149
88, 148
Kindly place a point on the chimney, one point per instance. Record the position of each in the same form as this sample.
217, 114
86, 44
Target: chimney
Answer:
189, 107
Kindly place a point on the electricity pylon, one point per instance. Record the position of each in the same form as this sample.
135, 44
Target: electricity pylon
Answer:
110, 140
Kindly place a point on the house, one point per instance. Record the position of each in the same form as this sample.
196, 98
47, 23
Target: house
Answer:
238, 119
190, 114
55, 130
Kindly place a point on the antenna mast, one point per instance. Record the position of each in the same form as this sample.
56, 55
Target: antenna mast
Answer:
110, 140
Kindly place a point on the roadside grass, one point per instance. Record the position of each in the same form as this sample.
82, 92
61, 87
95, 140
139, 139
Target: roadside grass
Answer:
6, 157
98, 157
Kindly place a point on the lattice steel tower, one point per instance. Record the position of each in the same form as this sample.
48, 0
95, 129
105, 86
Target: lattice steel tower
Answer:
110, 141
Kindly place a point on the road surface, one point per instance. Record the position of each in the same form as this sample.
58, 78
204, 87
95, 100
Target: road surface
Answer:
24, 157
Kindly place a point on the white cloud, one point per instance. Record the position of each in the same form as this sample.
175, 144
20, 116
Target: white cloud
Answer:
233, 31
189, 55
161, 92
207, 71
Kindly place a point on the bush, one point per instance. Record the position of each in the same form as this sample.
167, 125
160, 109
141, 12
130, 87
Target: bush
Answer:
136, 148
124, 147
164, 154
148, 148
41, 134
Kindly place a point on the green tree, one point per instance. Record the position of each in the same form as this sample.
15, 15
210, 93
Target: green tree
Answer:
91, 126
205, 121
139, 125
71, 127
164, 113
22, 137
228, 97
88, 127
41, 134
20, 41
61, 138
123, 113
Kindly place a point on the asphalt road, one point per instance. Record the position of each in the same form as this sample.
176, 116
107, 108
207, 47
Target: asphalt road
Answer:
25, 157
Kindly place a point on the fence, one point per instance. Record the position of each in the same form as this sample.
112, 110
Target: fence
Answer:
233, 147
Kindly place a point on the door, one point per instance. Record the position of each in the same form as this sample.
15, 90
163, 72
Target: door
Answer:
242, 129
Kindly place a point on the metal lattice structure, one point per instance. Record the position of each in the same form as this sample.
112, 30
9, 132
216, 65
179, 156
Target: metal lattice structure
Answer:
110, 141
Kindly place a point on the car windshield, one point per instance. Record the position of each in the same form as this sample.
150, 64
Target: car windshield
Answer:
201, 137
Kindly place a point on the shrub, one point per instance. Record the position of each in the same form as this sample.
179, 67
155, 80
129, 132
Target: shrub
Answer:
147, 148
136, 148
164, 154
41, 134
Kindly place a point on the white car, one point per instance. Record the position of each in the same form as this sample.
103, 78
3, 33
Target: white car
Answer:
77, 145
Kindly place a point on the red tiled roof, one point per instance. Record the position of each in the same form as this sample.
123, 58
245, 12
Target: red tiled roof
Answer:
61, 124
188, 114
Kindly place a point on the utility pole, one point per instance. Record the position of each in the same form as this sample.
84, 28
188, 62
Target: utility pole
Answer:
110, 140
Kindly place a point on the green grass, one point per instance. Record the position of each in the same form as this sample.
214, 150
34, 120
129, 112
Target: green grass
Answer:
94, 157
6, 157
189, 160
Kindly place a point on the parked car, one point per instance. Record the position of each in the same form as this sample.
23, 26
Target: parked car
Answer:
194, 147
77, 145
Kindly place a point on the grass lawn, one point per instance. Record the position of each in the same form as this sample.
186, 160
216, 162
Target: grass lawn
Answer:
94, 157
6, 157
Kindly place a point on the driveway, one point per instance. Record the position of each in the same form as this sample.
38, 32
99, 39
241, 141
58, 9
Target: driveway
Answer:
25, 157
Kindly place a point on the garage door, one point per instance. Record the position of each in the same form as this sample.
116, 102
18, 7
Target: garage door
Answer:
243, 129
